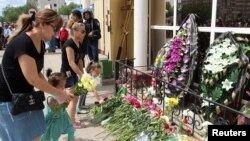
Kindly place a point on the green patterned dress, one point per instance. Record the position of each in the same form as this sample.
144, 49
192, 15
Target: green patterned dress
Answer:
57, 122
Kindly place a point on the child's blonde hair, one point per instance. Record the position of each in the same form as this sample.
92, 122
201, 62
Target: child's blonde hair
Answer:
92, 66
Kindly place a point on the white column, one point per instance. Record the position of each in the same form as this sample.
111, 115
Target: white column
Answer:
213, 21
85, 3
140, 32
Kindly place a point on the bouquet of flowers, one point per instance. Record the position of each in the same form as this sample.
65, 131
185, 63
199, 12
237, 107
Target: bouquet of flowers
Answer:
84, 85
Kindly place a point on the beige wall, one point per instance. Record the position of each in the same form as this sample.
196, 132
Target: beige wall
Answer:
98, 14
117, 19
158, 37
110, 41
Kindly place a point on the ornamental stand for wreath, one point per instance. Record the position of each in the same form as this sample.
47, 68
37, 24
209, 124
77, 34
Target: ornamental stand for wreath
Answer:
224, 76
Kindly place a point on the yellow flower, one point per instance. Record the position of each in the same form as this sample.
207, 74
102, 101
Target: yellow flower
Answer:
172, 102
79, 84
93, 83
84, 79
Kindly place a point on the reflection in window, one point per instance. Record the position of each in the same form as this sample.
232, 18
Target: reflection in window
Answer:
169, 13
203, 44
158, 40
202, 8
233, 13
162, 12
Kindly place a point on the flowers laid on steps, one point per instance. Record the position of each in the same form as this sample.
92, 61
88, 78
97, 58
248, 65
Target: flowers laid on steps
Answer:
133, 119
170, 105
224, 71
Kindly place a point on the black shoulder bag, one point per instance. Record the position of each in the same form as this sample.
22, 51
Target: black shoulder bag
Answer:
25, 102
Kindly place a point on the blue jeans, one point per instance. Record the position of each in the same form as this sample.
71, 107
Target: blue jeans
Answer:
71, 81
52, 45
82, 100
93, 50
22, 127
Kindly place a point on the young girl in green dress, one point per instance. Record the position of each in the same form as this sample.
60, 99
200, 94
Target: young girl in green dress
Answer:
57, 119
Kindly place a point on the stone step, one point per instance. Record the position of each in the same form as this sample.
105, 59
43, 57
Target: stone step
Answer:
107, 81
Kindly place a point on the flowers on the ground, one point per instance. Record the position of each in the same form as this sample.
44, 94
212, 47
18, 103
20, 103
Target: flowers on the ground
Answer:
133, 101
170, 104
105, 99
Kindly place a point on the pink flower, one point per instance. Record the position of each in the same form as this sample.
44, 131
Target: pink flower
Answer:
118, 81
181, 78
184, 70
168, 91
186, 50
186, 60
248, 93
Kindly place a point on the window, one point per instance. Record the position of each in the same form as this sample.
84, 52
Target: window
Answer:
214, 17
55, 4
202, 8
233, 13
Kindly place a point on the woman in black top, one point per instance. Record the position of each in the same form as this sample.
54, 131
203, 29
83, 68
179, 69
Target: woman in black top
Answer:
72, 63
22, 63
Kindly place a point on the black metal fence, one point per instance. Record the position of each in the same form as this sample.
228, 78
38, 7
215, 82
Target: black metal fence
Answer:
192, 105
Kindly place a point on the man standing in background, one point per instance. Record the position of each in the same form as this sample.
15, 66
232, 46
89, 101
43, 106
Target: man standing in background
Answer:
93, 32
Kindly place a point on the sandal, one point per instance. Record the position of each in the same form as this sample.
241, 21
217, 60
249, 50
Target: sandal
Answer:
77, 125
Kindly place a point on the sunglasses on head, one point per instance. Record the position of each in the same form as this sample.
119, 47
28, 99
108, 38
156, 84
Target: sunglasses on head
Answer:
54, 27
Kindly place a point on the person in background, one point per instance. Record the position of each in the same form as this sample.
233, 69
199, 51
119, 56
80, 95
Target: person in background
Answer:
6, 34
63, 34
77, 17
72, 66
22, 63
1, 38
52, 44
93, 33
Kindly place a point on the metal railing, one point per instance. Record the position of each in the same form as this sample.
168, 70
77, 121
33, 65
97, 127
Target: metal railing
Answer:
137, 82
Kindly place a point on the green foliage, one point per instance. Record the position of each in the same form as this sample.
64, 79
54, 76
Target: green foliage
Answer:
66, 9
216, 93
103, 111
233, 77
204, 89
11, 14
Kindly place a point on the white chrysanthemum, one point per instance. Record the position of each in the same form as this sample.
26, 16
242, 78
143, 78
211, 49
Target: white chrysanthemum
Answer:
231, 50
151, 90
227, 85
206, 103
232, 59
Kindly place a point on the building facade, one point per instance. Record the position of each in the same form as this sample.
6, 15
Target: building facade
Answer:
162, 19
52, 4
